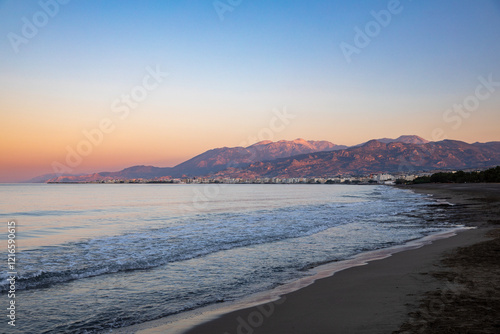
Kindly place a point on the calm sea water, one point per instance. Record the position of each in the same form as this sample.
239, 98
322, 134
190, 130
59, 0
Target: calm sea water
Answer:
93, 257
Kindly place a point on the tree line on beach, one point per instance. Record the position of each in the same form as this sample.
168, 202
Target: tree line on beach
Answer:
491, 175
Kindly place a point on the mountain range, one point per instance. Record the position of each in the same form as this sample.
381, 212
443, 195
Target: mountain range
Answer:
376, 157
302, 158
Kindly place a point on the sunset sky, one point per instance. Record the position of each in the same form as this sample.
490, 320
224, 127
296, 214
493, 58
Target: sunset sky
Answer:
347, 71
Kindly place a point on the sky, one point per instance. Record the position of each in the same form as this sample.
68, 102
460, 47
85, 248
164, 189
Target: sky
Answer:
89, 86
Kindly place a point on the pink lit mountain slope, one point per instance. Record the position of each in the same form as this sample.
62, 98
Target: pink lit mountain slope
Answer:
221, 158
212, 161
301, 158
375, 157
405, 139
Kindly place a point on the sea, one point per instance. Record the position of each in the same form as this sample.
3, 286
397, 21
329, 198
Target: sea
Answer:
91, 258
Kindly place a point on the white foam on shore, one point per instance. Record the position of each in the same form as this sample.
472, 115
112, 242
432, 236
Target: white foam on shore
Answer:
180, 323
443, 201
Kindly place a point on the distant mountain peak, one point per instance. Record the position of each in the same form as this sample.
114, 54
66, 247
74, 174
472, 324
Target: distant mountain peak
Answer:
301, 141
411, 139
374, 143
262, 142
311, 144
405, 139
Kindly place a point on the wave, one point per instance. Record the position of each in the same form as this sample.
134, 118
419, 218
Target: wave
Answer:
199, 236
42, 213
156, 247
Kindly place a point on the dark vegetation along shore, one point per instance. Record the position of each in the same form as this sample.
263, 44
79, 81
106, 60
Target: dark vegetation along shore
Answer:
491, 175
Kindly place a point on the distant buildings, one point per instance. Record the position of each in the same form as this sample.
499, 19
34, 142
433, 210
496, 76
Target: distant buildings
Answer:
380, 178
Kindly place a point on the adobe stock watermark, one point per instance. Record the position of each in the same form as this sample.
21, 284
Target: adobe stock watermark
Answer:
471, 103
31, 26
364, 36
222, 7
435, 306
278, 122
455, 116
122, 108
11, 272
256, 317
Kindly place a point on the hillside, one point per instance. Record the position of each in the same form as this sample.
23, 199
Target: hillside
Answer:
301, 158
376, 157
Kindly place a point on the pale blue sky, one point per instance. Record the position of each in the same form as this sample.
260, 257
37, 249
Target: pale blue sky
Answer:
226, 76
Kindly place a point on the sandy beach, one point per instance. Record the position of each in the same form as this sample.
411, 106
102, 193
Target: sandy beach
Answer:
450, 286
467, 299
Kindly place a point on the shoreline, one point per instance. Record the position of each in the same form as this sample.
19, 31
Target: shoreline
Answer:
373, 295
187, 321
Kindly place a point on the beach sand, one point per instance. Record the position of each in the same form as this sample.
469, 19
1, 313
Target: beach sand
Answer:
468, 297
449, 286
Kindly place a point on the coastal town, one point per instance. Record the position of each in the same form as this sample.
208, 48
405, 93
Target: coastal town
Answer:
382, 178
440, 176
